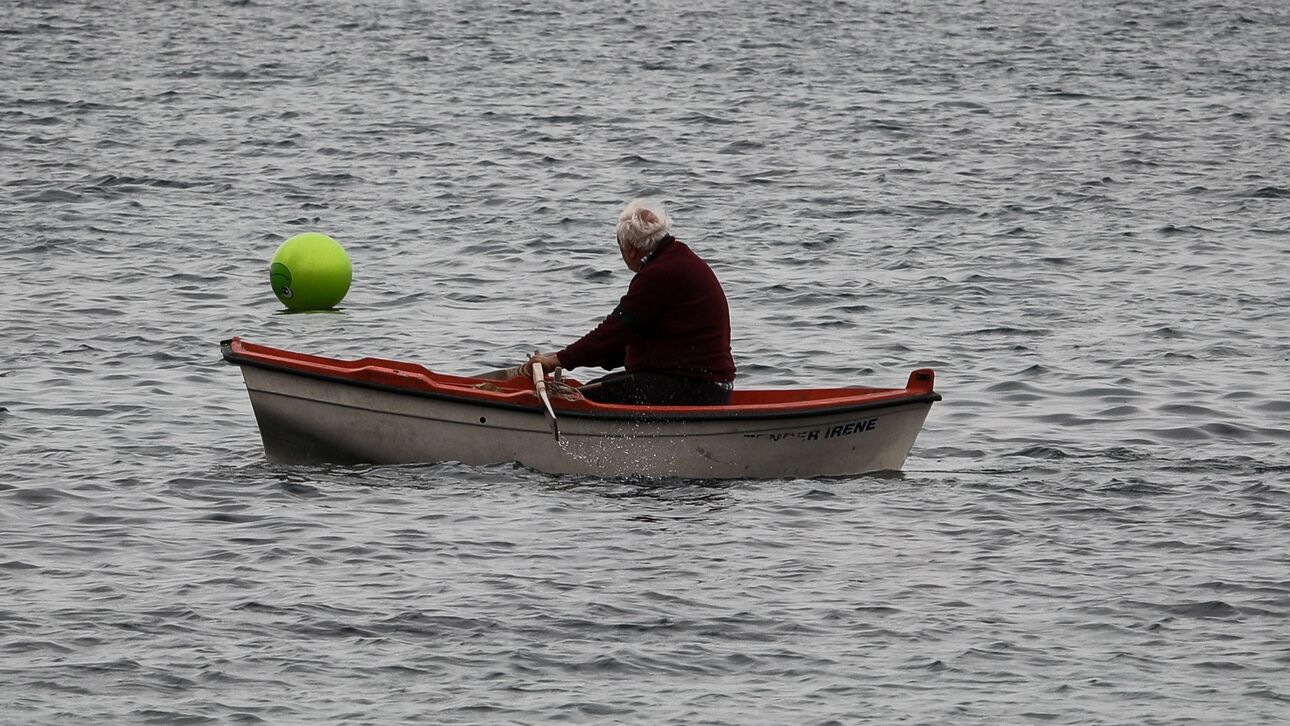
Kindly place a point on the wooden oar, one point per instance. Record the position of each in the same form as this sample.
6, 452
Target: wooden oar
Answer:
539, 385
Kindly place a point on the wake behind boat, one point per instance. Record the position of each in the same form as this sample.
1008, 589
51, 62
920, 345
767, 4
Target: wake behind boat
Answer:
313, 409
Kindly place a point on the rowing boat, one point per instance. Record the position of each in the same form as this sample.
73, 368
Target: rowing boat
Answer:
314, 409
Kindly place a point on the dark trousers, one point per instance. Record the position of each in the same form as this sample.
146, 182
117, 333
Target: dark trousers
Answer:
642, 388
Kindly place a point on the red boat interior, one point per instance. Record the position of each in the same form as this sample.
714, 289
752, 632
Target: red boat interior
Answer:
412, 377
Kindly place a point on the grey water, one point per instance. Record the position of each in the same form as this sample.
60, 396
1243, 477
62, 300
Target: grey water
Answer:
1078, 214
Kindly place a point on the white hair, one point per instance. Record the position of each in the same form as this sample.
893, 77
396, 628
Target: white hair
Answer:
642, 224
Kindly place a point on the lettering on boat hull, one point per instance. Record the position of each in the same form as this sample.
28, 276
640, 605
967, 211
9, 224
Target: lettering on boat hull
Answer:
831, 432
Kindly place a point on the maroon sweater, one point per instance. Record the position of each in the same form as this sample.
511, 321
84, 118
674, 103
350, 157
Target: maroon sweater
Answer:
674, 319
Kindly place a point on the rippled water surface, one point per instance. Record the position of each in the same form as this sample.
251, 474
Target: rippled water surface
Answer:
1078, 214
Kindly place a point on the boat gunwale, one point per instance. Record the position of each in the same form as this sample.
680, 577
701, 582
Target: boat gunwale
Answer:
892, 399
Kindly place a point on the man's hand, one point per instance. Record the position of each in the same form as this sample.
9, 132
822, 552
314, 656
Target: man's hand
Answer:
549, 361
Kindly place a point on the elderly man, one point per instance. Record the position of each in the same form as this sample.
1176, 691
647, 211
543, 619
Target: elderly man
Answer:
670, 332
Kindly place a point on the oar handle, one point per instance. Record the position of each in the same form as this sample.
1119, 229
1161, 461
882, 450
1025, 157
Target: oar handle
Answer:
539, 385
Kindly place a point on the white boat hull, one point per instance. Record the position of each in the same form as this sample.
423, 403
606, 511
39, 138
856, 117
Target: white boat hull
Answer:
305, 419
